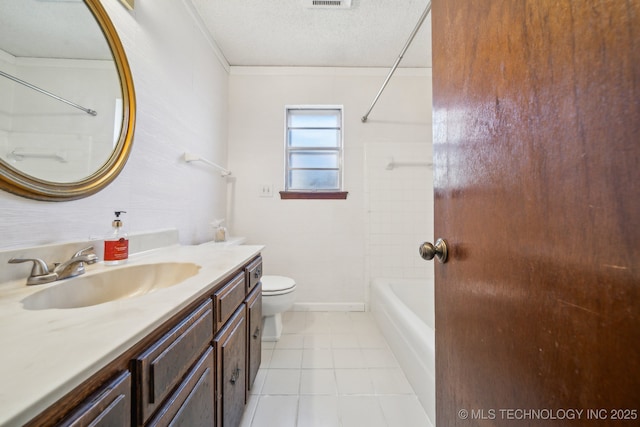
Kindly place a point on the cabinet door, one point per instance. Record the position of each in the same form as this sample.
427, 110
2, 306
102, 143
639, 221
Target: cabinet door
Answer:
231, 347
254, 334
110, 406
192, 403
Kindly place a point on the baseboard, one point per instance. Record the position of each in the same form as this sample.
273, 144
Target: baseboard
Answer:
328, 306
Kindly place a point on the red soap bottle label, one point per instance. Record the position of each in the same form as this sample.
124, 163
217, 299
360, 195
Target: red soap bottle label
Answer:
115, 250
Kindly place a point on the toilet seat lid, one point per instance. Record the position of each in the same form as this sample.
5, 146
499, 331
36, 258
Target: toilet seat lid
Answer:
277, 284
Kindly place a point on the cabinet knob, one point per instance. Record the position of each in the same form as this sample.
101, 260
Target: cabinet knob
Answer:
256, 334
235, 376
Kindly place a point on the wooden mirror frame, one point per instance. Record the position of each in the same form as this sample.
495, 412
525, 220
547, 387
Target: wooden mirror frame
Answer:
22, 184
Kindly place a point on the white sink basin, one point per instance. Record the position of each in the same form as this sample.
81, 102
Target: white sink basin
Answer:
110, 285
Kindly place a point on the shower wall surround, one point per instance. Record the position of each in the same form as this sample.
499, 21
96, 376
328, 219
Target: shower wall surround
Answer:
181, 92
399, 205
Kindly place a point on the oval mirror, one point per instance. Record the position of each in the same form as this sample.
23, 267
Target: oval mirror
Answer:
67, 103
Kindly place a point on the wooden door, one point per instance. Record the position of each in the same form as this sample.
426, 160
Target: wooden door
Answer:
537, 190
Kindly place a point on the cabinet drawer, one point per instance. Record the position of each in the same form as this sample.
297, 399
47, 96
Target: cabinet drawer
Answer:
161, 367
227, 299
110, 406
192, 403
254, 273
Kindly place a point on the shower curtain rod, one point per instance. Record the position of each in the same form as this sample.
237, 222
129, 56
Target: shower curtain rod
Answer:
395, 65
36, 88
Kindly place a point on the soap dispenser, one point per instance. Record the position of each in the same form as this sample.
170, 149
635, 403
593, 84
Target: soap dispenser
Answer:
219, 232
116, 243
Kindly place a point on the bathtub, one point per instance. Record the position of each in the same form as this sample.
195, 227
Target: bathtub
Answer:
404, 311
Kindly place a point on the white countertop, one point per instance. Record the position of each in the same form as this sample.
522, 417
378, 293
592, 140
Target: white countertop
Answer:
47, 353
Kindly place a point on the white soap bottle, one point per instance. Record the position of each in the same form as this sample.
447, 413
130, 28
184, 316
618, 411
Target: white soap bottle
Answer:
219, 232
116, 243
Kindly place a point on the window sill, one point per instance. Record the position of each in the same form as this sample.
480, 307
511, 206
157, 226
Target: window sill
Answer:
318, 195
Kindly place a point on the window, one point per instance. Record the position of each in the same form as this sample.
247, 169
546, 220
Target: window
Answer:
313, 152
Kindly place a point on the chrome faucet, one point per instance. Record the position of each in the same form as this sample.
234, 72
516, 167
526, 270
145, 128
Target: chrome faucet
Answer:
42, 273
75, 266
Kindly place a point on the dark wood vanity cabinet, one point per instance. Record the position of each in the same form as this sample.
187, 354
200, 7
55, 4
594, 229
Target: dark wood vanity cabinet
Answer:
253, 273
231, 375
214, 391
109, 406
254, 333
192, 404
195, 370
161, 370
228, 298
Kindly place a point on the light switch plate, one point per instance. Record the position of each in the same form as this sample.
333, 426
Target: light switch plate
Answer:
266, 190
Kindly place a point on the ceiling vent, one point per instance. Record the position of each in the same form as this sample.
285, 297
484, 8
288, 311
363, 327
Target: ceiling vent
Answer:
327, 4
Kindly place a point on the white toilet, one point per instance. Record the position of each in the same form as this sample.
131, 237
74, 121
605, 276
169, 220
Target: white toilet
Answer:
277, 296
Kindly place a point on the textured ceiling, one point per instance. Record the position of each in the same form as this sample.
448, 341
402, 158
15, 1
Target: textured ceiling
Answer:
371, 33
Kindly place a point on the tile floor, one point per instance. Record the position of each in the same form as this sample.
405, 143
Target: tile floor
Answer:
331, 369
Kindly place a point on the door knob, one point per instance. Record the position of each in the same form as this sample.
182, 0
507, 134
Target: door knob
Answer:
428, 251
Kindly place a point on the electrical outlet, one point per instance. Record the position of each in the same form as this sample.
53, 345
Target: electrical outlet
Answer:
266, 190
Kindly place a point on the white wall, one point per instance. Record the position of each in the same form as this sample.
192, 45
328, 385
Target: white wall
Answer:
181, 91
325, 245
